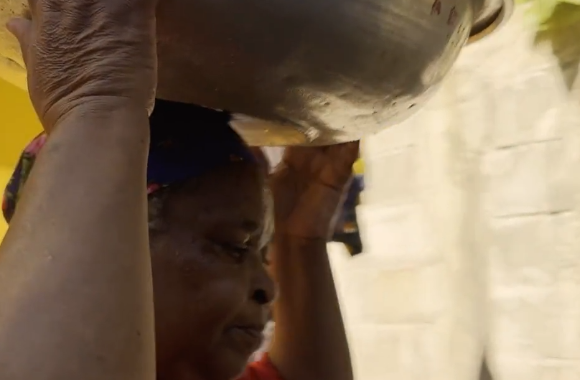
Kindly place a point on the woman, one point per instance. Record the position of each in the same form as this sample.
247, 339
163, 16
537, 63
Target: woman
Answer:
90, 246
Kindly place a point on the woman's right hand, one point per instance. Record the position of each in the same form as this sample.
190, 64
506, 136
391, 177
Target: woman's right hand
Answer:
88, 56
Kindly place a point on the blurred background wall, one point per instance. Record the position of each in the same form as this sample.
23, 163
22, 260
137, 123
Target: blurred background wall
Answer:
471, 222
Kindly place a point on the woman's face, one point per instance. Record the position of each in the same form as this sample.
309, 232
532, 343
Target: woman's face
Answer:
212, 291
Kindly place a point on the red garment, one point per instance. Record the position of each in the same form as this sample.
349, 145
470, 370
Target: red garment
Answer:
262, 369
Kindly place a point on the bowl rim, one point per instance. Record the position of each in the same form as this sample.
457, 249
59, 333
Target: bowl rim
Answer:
500, 18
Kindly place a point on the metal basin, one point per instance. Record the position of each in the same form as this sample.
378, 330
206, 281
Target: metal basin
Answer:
302, 72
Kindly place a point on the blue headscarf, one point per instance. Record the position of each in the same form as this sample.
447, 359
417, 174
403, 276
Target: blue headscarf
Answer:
186, 142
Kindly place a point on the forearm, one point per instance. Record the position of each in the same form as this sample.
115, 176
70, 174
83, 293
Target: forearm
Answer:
309, 339
75, 277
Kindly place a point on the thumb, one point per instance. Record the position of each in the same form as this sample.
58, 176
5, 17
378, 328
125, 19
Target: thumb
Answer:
21, 29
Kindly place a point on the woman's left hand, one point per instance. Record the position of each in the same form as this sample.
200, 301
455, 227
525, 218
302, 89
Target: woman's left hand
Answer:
308, 187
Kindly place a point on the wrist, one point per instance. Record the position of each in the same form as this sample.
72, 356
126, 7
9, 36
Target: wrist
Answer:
292, 241
104, 113
116, 132
314, 214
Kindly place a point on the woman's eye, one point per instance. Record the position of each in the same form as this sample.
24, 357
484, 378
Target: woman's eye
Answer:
236, 250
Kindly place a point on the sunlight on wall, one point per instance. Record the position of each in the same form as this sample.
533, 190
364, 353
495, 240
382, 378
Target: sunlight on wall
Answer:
18, 125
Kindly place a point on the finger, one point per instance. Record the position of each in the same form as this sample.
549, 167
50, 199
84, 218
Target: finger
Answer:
345, 154
297, 157
21, 29
339, 168
32, 8
352, 150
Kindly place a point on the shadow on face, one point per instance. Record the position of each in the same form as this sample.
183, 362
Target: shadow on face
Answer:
212, 292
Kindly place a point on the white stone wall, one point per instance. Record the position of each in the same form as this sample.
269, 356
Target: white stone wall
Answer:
472, 227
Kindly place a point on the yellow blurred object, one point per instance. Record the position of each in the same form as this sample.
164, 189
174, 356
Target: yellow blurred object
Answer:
359, 167
5, 174
18, 125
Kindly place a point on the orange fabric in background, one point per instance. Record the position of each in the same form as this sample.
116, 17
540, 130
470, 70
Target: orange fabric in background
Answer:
262, 369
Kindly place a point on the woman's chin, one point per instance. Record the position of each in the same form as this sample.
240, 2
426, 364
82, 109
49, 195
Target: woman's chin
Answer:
224, 368
233, 365
228, 365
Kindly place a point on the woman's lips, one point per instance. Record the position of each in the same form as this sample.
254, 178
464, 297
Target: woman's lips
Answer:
247, 338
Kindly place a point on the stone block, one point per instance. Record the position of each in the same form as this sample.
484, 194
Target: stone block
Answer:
506, 130
515, 180
536, 93
533, 324
338, 255
396, 352
412, 352
473, 109
373, 294
563, 159
534, 251
402, 235
519, 252
526, 109
559, 371
509, 369
390, 178
565, 245
394, 138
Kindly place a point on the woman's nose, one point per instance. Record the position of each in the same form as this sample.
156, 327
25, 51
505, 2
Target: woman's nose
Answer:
263, 289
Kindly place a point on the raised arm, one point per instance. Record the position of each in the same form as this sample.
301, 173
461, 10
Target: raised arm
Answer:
309, 339
75, 277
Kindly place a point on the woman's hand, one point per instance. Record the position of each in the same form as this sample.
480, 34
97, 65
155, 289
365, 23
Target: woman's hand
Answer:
308, 188
93, 54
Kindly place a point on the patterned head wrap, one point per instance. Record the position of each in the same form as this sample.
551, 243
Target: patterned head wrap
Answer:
186, 142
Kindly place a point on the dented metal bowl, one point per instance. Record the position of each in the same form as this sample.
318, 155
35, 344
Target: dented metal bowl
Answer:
302, 72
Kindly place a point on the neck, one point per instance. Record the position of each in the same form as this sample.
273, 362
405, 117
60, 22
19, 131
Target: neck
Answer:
179, 372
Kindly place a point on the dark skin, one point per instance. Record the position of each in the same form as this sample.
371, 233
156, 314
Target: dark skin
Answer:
79, 268
209, 255
209, 273
307, 189
211, 288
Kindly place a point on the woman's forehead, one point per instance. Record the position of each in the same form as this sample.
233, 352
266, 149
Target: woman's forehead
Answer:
253, 217
232, 200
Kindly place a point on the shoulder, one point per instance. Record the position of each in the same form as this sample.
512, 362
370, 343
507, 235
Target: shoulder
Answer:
262, 369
